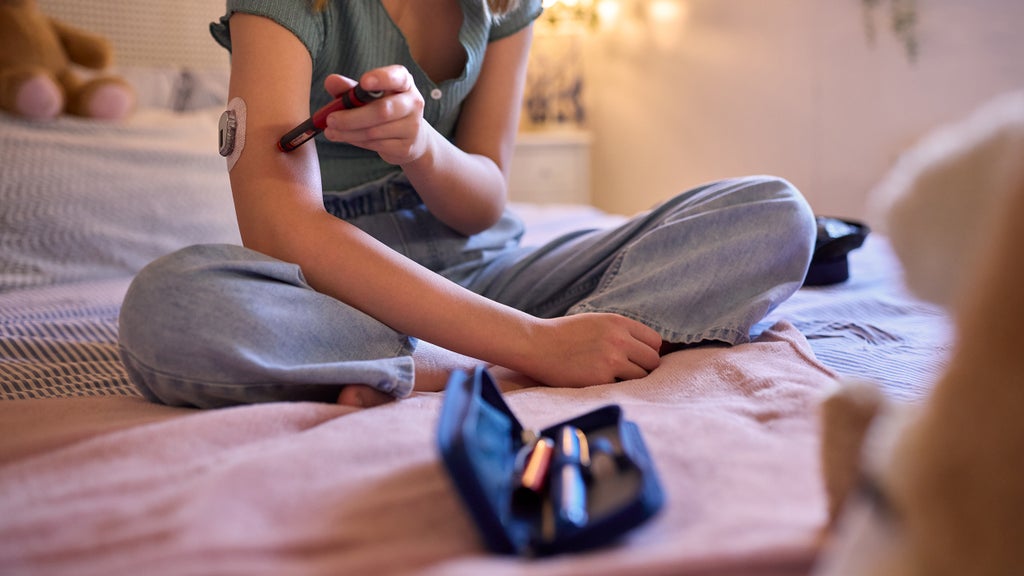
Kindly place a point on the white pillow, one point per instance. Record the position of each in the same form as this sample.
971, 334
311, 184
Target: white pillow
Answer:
175, 87
83, 199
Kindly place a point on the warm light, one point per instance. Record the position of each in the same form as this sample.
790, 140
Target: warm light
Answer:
664, 10
565, 3
634, 21
608, 12
569, 11
666, 22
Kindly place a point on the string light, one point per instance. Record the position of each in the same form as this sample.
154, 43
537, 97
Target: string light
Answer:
609, 13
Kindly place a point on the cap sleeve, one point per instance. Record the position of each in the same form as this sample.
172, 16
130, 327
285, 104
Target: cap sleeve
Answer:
297, 17
513, 22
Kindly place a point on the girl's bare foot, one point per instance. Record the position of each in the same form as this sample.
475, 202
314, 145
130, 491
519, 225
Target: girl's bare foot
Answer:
434, 366
363, 396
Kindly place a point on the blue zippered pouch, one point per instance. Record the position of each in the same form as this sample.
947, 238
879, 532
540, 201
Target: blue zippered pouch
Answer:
575, 485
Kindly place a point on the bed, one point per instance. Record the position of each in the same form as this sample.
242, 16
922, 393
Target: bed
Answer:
96, 480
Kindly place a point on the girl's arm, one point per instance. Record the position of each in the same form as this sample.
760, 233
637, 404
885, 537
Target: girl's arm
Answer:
464, 185
279, 205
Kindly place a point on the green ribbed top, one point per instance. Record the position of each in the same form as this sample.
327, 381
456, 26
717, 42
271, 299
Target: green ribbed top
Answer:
353, 36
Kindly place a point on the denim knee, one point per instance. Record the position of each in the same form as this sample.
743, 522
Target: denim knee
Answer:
162, 342
795, 228
214, 325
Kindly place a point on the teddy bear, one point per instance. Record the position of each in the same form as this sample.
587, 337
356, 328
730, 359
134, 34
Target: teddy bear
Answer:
37, 80
936, 488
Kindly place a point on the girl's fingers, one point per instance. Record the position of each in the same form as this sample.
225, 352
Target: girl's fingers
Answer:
645, 357
647, 335
336, 84
633, 372
393, 78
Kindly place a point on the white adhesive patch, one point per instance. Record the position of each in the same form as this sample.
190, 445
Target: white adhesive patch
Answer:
237, 106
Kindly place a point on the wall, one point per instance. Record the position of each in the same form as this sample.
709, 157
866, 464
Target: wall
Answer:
172, 33
787, 87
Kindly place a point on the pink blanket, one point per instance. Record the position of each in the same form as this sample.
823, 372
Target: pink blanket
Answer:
109, 486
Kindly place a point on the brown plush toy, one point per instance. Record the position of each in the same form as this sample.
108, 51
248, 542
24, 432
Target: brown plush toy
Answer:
936, 488
36, 76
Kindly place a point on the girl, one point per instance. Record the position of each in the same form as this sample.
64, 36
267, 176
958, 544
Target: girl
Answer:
391, 229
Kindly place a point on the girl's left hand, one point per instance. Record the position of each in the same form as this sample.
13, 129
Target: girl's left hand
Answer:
393, 126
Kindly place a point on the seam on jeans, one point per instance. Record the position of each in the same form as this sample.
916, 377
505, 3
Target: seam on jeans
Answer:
732, 335
613, 270
390, 388
588, 290
601, 283
570, 298
401, 243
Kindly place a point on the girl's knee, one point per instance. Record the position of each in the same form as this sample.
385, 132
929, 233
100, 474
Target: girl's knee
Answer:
792, 214
780, 190
783, 225
162, 317
169, 283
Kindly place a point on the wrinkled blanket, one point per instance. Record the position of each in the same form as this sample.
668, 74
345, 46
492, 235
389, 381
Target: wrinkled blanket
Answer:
115, 485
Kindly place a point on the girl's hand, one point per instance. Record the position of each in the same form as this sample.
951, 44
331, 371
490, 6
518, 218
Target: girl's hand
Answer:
393, 126
588, 349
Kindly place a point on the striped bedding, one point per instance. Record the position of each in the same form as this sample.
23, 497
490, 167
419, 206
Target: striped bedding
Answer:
871, 327
60, 341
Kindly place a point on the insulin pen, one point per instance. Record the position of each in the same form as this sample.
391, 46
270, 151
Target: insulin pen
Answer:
298, 136
568, 489
535, 468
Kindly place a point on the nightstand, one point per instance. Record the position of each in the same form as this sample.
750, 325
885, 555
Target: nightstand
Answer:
551, 167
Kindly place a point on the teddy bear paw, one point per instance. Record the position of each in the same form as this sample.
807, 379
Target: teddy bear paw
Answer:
39, 98
110, 102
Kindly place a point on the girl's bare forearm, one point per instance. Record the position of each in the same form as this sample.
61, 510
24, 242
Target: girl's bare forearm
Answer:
466, 191
413, 300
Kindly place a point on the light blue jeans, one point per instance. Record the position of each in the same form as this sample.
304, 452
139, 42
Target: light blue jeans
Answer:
214, 325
